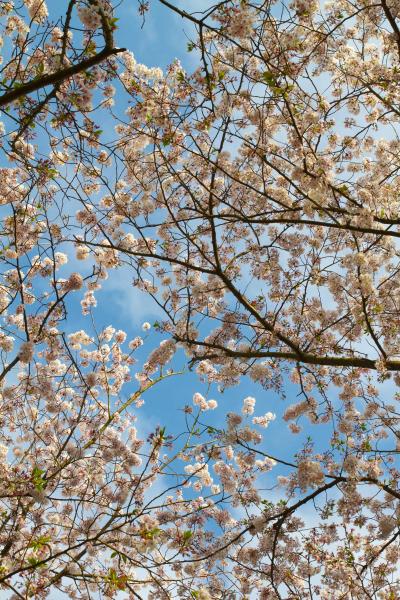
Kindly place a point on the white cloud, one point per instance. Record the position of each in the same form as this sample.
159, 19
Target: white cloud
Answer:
132, 303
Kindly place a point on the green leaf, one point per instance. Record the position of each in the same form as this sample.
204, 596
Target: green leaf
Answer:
39, 542
38, 480
113, 23
187, 535
149, 534
269, 78
120, 555
267, 503
115, 581
349, 556
343, 189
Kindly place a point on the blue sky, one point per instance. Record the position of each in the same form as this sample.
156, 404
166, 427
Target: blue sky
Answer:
163, 38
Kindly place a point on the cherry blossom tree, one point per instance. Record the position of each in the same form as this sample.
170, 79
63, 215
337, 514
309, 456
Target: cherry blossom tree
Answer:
255, 199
